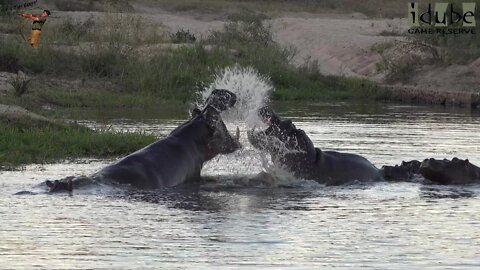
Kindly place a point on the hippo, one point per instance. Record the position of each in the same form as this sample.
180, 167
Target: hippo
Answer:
407, 171
450, 172
57, 185
171, 161
292, 149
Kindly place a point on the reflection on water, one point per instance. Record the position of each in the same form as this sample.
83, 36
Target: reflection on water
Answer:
380, 226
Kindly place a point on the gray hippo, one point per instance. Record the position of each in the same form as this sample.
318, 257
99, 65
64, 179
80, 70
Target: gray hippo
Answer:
293, 150
450, 172
407, 171
174, 160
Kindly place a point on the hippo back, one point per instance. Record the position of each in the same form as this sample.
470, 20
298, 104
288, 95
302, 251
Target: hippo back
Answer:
168, 162
336, 168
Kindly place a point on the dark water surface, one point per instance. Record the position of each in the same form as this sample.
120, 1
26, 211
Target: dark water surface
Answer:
309, 226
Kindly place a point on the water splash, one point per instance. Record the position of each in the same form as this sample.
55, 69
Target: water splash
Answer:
252, 90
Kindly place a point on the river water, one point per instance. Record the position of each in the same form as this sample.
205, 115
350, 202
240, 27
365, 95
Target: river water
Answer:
305, 226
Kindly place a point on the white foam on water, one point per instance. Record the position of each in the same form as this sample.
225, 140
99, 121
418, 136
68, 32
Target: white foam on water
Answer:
281, 177
252, 90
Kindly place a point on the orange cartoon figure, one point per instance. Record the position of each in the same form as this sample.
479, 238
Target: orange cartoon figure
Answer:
37, 24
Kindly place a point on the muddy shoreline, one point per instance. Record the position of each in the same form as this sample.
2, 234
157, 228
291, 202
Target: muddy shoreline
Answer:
418, 95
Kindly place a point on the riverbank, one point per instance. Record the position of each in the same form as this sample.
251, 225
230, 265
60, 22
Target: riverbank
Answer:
166, 52
103, 66
27, 138
421, 95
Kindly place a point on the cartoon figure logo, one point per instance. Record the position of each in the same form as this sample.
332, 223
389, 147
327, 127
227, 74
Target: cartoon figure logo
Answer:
38, 22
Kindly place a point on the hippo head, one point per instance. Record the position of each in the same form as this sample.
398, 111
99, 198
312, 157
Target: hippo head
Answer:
282, 140
411, 166
456, 171
221, 142
268, 116
403, 172
396, 173
284, 131
60, 185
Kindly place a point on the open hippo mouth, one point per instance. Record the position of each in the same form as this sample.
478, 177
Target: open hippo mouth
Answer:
222, 141
221, 100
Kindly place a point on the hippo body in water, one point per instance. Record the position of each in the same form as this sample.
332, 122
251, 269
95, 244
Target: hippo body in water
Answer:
336, 168
433, 171
292, 149
450, 172
174, 160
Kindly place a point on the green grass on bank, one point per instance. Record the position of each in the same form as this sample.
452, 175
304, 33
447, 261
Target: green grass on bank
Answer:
44, 101
355, 89
23, 144
95, 98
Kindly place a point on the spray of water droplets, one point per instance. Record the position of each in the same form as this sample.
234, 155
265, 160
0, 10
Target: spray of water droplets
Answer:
252, 90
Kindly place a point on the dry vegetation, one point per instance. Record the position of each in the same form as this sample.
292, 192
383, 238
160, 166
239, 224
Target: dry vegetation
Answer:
372, 8
402, 58
458, 49
110, 49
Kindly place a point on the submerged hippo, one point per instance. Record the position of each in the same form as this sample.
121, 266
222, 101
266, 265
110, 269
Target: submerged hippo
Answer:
406, 171
174, 160
292, 149
450, 172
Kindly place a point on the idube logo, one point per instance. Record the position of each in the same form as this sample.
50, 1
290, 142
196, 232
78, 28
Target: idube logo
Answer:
442, 18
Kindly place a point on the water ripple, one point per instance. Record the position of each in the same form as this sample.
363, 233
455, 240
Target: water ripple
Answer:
380, 226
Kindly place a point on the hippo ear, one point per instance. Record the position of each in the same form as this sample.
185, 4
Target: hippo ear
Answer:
49, 184
467, 161
196, 112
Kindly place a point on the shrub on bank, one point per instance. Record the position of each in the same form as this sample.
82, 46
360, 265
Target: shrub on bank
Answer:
182, 36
